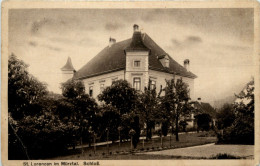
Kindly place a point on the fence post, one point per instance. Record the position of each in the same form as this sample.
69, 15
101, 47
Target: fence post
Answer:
170, 140
107, 142
131, 142
94, 143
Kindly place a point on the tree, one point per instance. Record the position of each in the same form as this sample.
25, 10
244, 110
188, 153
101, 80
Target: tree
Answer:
120, 95
40, 135
72, 89
203, 121
123, 98
226, 116
110, 120
135, 125
24, 90
242, 129
183, 124
82, 109
147, 108
44, 135
175, 102
26, 96
165, 127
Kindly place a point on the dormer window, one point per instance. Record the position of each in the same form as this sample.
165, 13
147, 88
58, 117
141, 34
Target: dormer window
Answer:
137, 63
165, 60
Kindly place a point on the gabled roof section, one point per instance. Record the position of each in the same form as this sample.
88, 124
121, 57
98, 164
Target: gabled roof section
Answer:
113, 58
68, 66
108, 60
205, 108
155, 64
137, 43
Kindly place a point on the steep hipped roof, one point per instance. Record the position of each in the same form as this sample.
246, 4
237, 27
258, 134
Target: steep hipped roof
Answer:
113, 58
68, 66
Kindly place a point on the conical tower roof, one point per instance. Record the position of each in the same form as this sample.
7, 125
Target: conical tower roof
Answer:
68, 66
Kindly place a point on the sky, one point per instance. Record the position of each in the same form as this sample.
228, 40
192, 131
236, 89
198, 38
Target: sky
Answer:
218, 42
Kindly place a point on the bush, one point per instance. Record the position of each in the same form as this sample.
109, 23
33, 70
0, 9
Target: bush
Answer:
183, 124
43, 136
165, 126
203, 121
208, 134
226, 116
238, 134
189, 129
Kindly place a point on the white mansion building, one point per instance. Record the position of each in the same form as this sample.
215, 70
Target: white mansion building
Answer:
137, 60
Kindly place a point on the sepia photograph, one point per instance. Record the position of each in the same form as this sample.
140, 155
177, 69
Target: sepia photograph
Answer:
85, 85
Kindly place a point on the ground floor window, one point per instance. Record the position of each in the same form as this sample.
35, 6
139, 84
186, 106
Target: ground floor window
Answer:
91, 91
114, 79
101, 87
137, 83
152, 84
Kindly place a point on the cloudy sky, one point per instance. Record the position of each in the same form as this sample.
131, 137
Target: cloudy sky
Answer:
218, 42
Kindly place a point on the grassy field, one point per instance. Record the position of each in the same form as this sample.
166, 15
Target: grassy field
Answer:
124, 151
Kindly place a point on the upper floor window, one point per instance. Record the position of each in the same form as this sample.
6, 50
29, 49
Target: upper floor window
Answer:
137, 83
152, 84
102, 87
137, 63
114, 79
91, 91
165, 60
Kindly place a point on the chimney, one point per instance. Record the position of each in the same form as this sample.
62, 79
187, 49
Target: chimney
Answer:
187, 64
111, 41
136, 28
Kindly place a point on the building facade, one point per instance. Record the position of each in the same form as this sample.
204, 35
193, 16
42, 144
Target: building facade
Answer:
137, 60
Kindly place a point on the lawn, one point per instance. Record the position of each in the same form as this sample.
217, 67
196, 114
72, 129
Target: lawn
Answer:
124, 150
210, 151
